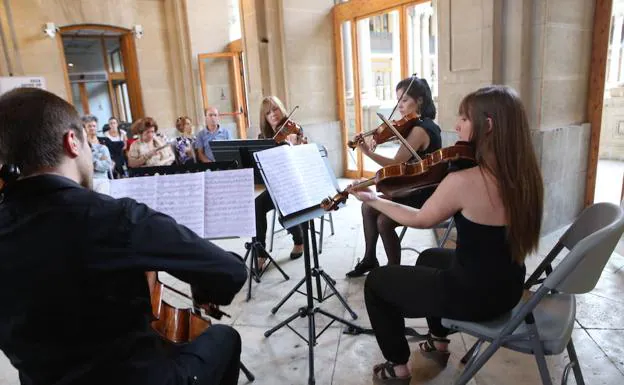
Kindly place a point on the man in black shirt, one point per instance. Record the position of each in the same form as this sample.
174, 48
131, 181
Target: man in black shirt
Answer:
74, 300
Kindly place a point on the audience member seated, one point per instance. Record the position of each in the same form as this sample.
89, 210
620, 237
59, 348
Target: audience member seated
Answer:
115, 139
149, 150
213, 131
102, 161
185, 143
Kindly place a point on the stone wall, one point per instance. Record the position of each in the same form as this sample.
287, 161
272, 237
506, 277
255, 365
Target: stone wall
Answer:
290, 54
39, 55
542, 49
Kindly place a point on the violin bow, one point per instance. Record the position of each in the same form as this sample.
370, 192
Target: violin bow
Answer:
285, 121
396, 132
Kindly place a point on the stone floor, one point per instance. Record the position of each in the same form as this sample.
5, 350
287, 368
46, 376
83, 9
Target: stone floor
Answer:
342, 359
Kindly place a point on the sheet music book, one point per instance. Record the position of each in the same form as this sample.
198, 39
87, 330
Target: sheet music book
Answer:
297, 176
215, 204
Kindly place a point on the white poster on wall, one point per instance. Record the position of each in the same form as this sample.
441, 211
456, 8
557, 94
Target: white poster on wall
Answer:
7, 83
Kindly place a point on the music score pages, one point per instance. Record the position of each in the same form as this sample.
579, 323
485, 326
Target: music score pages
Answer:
214, 204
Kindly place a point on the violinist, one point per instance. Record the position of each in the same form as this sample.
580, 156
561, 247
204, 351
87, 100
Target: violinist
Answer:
76, 306
424, 138
272, 116
497, 207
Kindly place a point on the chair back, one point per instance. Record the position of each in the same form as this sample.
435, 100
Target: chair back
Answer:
592, 219
593, 236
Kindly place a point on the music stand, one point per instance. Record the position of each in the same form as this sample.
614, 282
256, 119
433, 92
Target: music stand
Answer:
241, 151
305, 218
182, 169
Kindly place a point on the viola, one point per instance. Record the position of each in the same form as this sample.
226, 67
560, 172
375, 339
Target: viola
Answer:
289, 128
174, 324
382, 133
405, 178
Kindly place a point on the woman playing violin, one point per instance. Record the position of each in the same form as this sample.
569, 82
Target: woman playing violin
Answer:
272, 117
424, 138
497, 206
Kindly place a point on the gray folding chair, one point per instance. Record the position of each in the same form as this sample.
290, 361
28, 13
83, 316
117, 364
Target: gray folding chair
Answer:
542, 324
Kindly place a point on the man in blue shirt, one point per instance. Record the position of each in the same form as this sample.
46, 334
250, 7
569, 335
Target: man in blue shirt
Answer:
213, 131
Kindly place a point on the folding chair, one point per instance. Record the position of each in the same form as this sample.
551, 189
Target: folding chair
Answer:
326, 218
542, 324
446, 225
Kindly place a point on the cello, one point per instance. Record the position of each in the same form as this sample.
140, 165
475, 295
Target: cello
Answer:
179, 326
402, 179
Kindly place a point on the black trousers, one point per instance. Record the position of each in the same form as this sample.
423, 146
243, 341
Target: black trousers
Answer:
212, 358
432, 290
264, 204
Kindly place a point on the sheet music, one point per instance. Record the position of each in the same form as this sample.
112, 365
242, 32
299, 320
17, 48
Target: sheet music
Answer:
230, 204
141, 189
314, 173
181, 196
297, 176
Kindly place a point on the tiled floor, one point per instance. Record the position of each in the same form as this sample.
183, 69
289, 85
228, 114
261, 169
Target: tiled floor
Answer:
343, 359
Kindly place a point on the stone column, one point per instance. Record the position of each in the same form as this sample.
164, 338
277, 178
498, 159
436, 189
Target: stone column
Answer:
182, 60
348, 59
395, 76
416, 51
426, 59
616, 44
364, 55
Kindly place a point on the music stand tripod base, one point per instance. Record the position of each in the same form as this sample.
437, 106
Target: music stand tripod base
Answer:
309, 310
317, 273
255, 250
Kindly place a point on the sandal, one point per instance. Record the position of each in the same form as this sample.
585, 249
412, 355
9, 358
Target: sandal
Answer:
428, 350
385, 374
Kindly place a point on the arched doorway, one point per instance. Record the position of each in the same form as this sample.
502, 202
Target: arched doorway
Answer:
101, 71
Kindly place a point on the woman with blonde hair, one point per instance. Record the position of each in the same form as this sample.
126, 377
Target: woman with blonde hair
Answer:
149, 150
497, 206
272, 116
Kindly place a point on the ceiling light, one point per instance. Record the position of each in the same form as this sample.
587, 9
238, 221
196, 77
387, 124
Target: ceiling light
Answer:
70, 64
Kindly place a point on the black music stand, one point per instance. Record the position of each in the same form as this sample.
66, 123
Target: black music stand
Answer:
241, 151
306, 219
182, 169
255, 250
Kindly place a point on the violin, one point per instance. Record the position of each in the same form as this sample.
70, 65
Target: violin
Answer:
382, 133
173, 324
289, 128
405, 178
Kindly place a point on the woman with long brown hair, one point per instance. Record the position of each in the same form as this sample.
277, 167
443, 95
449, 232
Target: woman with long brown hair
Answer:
497, 206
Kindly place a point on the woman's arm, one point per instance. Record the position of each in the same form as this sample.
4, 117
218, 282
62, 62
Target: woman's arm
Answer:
443, 204
417, 138
134, 158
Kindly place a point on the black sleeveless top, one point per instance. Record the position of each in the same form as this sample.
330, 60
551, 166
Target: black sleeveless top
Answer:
435, 136
483, 280
419, 197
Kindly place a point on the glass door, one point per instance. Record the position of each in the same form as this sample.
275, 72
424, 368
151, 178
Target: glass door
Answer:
379, 58
377, 45
222, 87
